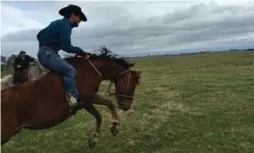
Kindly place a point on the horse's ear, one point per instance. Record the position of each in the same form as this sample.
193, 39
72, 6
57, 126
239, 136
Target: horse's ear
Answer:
139, 72
132, 64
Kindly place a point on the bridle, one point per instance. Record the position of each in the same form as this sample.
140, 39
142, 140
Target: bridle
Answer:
108, 93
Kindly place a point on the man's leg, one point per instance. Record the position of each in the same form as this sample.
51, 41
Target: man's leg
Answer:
24, 76
53, 62
17, 77
70, 80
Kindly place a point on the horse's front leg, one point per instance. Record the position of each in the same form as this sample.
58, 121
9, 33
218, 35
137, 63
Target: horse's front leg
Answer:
115, 118
93, 111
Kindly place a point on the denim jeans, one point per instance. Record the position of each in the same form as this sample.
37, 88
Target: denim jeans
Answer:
52, 61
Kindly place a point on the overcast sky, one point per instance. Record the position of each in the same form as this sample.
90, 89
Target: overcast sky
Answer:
135, 28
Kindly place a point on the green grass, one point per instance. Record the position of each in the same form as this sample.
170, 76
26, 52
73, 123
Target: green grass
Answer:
190, 104
6, 71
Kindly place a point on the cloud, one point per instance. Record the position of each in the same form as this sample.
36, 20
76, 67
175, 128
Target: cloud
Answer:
136, 28
14, 20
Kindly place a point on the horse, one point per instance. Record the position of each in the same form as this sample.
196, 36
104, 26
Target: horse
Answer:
6, 81
41, 104
33, 73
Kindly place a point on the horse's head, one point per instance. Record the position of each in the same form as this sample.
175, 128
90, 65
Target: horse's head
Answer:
117, 70
125, 85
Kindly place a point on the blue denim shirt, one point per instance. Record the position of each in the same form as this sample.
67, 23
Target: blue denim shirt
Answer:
57, 36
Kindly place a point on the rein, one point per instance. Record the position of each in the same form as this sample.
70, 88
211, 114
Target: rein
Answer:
108, 93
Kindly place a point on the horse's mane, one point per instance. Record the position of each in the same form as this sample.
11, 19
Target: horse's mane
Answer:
105, 53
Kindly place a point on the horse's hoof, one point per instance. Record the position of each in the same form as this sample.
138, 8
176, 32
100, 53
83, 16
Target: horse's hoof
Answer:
91, 143
115, 127
114, 130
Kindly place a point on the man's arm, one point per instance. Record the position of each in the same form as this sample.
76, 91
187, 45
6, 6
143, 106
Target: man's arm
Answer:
65, 40
14, 64
30, 59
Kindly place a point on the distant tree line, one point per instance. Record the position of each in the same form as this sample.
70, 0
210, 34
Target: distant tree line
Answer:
6, 62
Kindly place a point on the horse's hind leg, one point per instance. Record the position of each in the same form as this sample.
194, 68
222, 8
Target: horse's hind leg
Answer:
9, 127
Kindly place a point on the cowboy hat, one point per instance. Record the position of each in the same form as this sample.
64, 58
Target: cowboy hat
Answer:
66, 11
22, 52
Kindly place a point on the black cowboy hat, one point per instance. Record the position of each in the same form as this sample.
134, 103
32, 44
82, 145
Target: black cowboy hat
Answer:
22, 52
66, 11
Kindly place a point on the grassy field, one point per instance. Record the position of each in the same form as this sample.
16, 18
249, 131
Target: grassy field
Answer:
187, 104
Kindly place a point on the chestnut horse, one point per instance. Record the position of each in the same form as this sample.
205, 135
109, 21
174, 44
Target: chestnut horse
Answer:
41, 104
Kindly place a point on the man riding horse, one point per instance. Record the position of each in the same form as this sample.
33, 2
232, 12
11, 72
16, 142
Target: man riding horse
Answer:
42, 104
57, 36
21, 66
